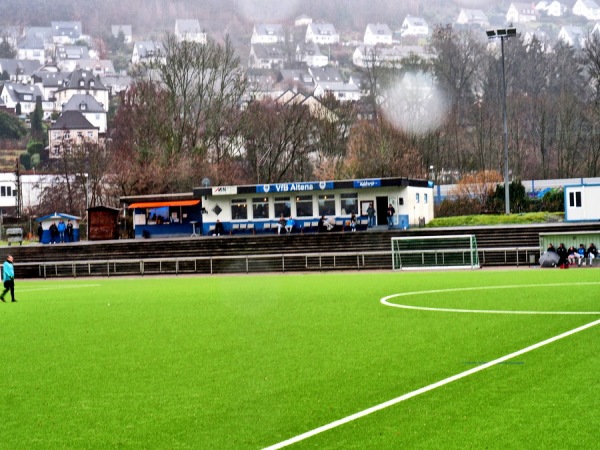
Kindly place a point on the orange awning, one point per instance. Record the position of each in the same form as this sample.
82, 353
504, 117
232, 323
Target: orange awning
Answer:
159, 204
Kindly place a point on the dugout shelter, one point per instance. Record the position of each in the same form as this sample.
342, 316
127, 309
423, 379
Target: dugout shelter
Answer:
48, 220
163, 215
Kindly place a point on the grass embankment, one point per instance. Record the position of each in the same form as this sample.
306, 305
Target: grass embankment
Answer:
496, 219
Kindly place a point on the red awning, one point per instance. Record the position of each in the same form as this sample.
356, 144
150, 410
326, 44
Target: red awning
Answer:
159, 204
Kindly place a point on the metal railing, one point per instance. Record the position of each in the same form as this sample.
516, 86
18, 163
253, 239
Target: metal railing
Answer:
289, 262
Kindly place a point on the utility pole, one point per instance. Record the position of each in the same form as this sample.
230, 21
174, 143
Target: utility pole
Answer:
19, 193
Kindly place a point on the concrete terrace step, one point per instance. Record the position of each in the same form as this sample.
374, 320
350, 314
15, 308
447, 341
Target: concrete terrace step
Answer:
311, 243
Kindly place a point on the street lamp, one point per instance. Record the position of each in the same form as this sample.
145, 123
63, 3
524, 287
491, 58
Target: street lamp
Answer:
504, 33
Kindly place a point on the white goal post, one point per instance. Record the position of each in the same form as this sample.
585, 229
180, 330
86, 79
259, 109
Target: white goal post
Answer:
435, 252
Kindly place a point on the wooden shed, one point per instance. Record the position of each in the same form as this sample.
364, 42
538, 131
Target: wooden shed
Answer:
103, 223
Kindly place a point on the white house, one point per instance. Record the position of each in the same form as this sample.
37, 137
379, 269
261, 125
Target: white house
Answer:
341, 90
89, 107
551, 9
572, 35
81, 82
267, 56
414, 26
265, 33
146, 52
322, 33
19, 70
377, 33
25, 95
48, 82
328, 80
189, 30
472, 17
587, 8
66, 32
96, 66
310, 54
32, 47
521, 13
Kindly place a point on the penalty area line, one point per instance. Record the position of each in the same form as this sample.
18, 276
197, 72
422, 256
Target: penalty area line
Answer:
425, 389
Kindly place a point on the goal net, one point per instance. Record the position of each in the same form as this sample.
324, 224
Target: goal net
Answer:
435, 252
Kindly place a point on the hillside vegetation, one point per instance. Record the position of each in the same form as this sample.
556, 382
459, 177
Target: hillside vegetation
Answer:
496, 219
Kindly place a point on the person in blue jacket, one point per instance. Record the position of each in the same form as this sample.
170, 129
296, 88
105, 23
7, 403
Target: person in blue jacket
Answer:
61, 230
8, 276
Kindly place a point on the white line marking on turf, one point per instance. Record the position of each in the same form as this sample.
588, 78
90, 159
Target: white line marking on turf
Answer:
54, 288
425, 389
385, 301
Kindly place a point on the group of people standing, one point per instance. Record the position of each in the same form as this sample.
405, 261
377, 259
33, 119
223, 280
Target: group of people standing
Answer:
391, 211
572, 255
59, 233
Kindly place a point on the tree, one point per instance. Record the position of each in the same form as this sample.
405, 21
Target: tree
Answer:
278, 141
6, 49
204, 85
378, 149
36, 119
11, 127
333, 121
478, 187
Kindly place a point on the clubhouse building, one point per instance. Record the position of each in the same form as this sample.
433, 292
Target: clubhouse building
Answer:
257, 208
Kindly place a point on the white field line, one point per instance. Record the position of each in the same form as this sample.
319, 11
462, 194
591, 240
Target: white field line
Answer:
55, 288
425, 389
385, 300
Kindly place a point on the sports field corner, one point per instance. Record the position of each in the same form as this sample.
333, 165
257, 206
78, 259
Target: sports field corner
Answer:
485, 358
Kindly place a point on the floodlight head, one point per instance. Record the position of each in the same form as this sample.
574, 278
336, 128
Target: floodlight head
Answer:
511, 32
501, 32
491, 33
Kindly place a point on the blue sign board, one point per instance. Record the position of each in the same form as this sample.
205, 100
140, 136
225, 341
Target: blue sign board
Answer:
294, 187
367, 183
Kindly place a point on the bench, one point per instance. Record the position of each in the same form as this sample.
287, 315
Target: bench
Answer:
14, 235
242, 227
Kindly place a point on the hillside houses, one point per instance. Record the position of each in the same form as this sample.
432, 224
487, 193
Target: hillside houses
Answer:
60, 62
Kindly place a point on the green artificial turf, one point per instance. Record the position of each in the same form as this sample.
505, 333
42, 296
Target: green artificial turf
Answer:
250, 361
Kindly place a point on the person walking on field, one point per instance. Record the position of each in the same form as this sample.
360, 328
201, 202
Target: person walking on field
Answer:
8, 276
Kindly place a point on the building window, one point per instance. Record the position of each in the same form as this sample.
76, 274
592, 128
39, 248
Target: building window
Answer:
425, 198
349, 203
8, 191
575, 199
239, 209
260, 208
401, 201
326, 205
3, 191
417, 198
283, 206
304, 206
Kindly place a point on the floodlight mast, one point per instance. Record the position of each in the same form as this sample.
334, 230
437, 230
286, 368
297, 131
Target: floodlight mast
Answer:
504, 33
